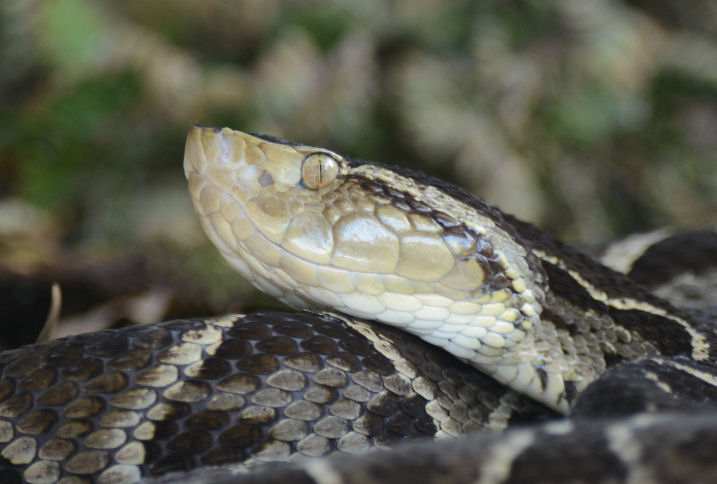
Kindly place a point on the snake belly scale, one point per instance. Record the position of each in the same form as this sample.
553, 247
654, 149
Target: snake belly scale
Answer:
316, 229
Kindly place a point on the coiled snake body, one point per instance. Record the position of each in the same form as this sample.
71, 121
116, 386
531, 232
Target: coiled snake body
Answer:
551, 330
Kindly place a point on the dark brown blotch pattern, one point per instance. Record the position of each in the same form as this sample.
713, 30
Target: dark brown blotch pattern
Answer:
173, 396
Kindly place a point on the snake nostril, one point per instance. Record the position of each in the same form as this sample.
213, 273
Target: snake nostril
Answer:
265, 179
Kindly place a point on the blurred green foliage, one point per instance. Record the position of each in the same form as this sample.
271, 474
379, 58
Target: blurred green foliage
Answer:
592, 118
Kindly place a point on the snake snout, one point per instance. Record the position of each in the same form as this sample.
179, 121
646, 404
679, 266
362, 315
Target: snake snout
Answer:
194, 156
208, 146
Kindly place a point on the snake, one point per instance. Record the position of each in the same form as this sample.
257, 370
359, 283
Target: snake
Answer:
425, 315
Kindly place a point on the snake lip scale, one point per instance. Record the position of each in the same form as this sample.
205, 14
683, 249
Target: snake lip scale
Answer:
426, 314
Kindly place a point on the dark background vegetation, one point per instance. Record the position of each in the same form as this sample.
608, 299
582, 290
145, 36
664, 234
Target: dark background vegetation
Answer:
591, 118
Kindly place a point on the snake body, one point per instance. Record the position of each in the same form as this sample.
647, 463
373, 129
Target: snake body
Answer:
551, 330
174, 396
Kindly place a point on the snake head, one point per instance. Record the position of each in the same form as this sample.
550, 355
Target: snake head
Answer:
315, 229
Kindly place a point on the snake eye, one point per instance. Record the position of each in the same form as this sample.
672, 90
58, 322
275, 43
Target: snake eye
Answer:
318, 170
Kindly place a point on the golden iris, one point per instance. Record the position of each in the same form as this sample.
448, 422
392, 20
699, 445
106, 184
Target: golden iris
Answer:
318, 170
